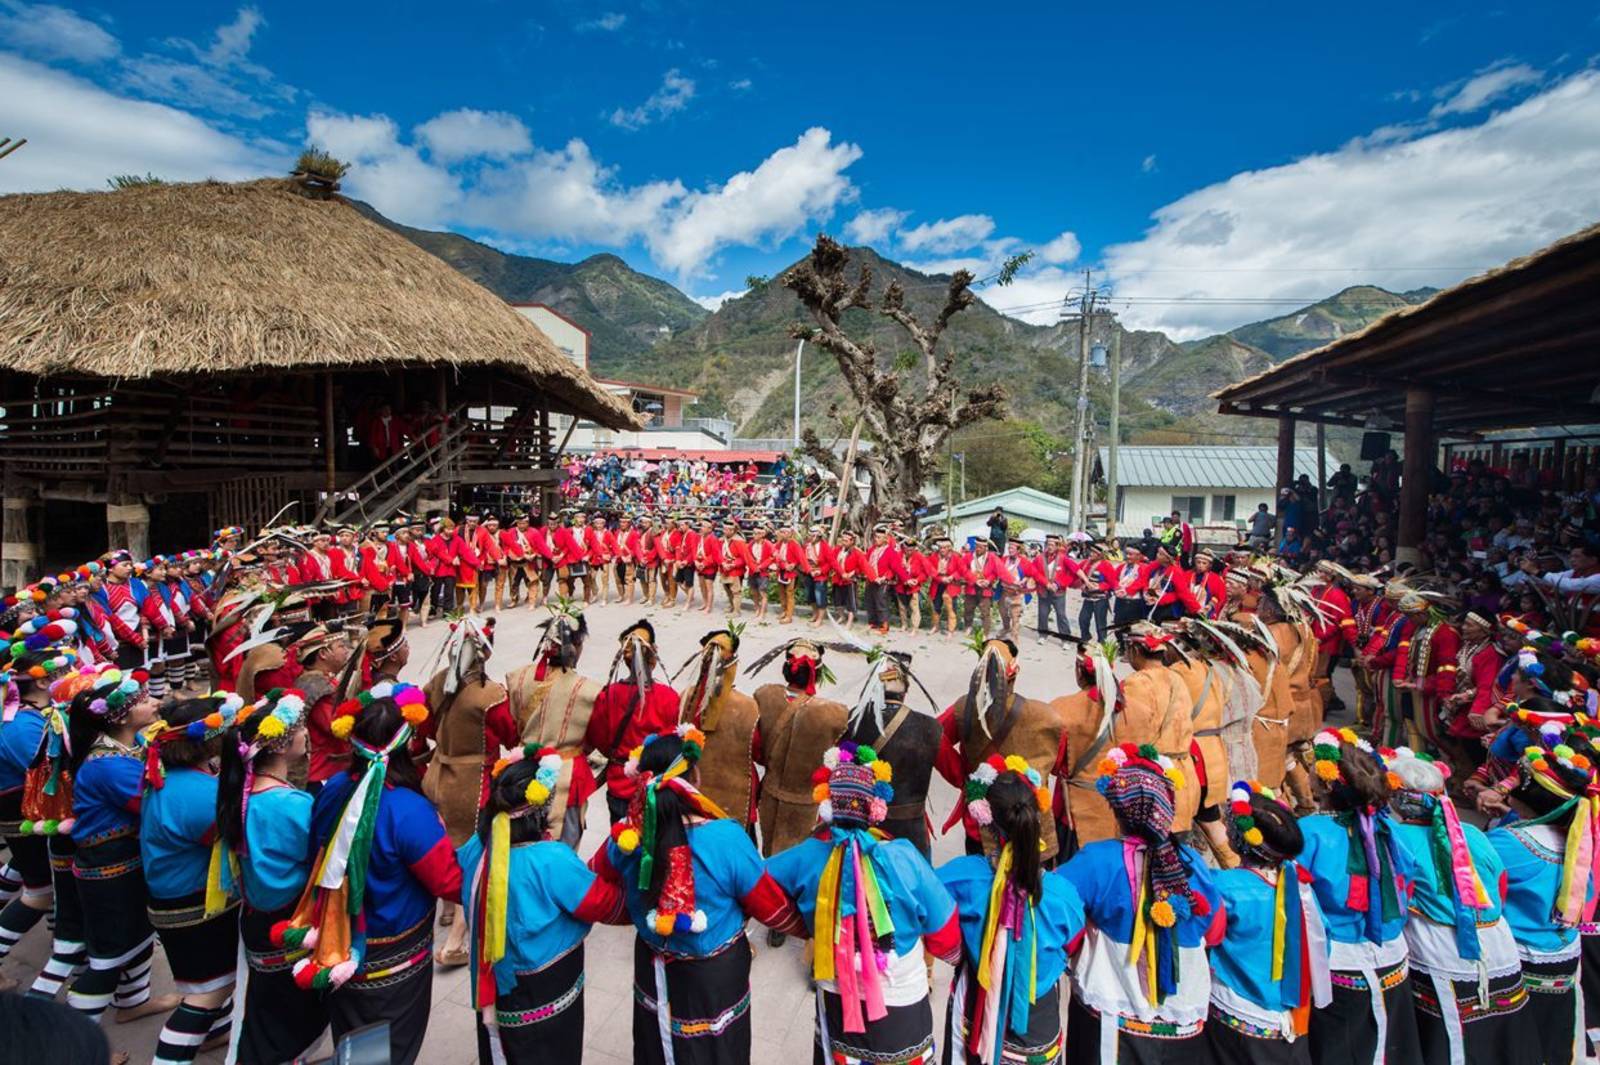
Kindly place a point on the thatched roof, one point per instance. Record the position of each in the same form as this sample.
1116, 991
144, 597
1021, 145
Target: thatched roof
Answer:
238, 278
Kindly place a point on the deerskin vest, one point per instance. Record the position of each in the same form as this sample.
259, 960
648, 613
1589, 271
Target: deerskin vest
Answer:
795, 733
728, 761
910, 750
553, 712
1035, 735
456, 775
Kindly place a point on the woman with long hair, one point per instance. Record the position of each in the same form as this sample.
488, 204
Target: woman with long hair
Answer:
1141, 982
529, 904
1466, 978
1362, 874
1271, 966
264, 831
107, 789
872, 905
1018, 924
383, 861
691, 878
1549, 855
197, 924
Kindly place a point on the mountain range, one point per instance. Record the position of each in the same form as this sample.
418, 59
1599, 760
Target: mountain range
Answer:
740, 358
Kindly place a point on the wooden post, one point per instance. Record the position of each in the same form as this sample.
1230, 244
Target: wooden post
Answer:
1416, 474
330, 444
1322, 467
845, 484
1285, 460
21, 536
1558, 449
127, 520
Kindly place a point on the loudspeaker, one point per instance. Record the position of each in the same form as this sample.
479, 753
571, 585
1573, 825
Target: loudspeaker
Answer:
1374, 446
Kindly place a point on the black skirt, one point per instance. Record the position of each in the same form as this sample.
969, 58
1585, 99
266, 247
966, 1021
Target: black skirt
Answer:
30, 856
1495, 1031
202, 951
1552, 1008
394, 984
1234, 1041
1180, 1047
708, 1015
1040, 1043
278, 1021
68, 907
903, 1036
1346, 1030
1589, 983
541, 1019
111, 890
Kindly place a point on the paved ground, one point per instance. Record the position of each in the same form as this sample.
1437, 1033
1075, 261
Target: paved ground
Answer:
783, 1007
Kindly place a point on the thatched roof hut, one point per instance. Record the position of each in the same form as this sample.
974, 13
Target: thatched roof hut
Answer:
218, 278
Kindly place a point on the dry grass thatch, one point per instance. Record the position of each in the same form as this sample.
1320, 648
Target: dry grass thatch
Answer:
234, 278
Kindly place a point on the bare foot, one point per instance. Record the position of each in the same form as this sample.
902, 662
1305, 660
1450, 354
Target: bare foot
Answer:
149, 1008
119, 1057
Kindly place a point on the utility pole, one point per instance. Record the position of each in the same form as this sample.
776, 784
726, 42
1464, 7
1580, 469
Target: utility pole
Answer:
798, 349
950, 473
1116, 414
1080, 476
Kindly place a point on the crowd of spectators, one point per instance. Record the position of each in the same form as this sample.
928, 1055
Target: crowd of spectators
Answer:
620, 480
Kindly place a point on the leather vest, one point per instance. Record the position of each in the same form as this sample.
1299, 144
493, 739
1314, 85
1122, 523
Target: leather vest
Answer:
795, 733
1158, 711
910, 750
1207, 718
1087, 810
1298, 664
456, 775
727, 762
263, 659
553, 712
1035, 734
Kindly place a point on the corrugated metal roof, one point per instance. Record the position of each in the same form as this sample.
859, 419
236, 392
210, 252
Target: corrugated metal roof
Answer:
1207, 467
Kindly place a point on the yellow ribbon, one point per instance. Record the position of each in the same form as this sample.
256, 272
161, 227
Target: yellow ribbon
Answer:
827, 911
499, 876
1280, 922
216, 898
997, 888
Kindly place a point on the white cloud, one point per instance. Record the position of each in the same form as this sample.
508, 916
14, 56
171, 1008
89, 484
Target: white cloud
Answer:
468, 134
218, 76
875, 226
713, 303
740, 85
1063, 249
948, 234
80, 135
1484, 88
1424, 210
673, 96
610, 22
232, 42
1148, 166
392, 176
44, 31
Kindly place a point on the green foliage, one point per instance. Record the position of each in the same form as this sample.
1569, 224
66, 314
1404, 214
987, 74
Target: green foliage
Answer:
134, 181
757, 283
906, 361
321, 165
1008, 269
1014, 453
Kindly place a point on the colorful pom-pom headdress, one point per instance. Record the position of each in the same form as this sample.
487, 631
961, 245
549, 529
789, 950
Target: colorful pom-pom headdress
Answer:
675, 910
1373, 846
328, 921
1008, 956
1422, 797
491, 882
852, 784
1139, 785
200, 730
278, 713
47, 785
116, 693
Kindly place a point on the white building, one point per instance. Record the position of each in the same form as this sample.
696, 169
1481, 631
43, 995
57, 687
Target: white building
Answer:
661, 408
1216, 486
1039, 512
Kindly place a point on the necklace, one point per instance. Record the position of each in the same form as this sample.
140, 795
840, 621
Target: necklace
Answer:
277, 779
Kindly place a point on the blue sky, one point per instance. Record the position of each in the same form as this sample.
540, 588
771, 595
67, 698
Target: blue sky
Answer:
1213, 164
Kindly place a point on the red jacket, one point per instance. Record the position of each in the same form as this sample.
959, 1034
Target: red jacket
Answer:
375, 570
763, 555
486, 545
618, 725
848, 565
789, 558
817, 559
985, 569
346, 567
399, 561
1055, 573
708, 556
468, 564
944, 571
421, 560
736, 560
688, 544
565, 547
882, 564
539, 543
441, 548
1201, 594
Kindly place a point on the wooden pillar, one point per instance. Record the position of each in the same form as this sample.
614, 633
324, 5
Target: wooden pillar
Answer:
1558, 450
21, 536
330, 442
1285, 459
1416, 473
1322, 467
127, 520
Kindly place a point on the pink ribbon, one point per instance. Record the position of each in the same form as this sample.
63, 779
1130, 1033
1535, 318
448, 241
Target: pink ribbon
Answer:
1461, 858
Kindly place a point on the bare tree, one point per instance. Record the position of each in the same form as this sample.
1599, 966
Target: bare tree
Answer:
908, 424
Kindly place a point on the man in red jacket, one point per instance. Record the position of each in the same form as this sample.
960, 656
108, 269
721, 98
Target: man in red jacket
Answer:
983, 577
735, 565
818, 569
707, 564
601, 554
883, 570
848, 563
688, 550
401, 569
763, 560
1050, 575
668, 541
469, 567
630, 555
788, 563
1201, 592
486, 545
908, 593
947, 581
628, 710
441, 549
1097, 582
571, 557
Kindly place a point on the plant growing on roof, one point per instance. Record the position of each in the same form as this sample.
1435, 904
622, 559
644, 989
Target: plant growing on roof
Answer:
319, 167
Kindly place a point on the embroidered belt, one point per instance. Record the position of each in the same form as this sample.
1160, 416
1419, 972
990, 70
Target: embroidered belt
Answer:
379, 972
1157, 1029
1548, 983
107, 872
523, 1018
921, 1054
120, 832
272, 961
683, 1028
183, 917
670, 956
60, 863
1242, 1026
1388, 980
1508, 1000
